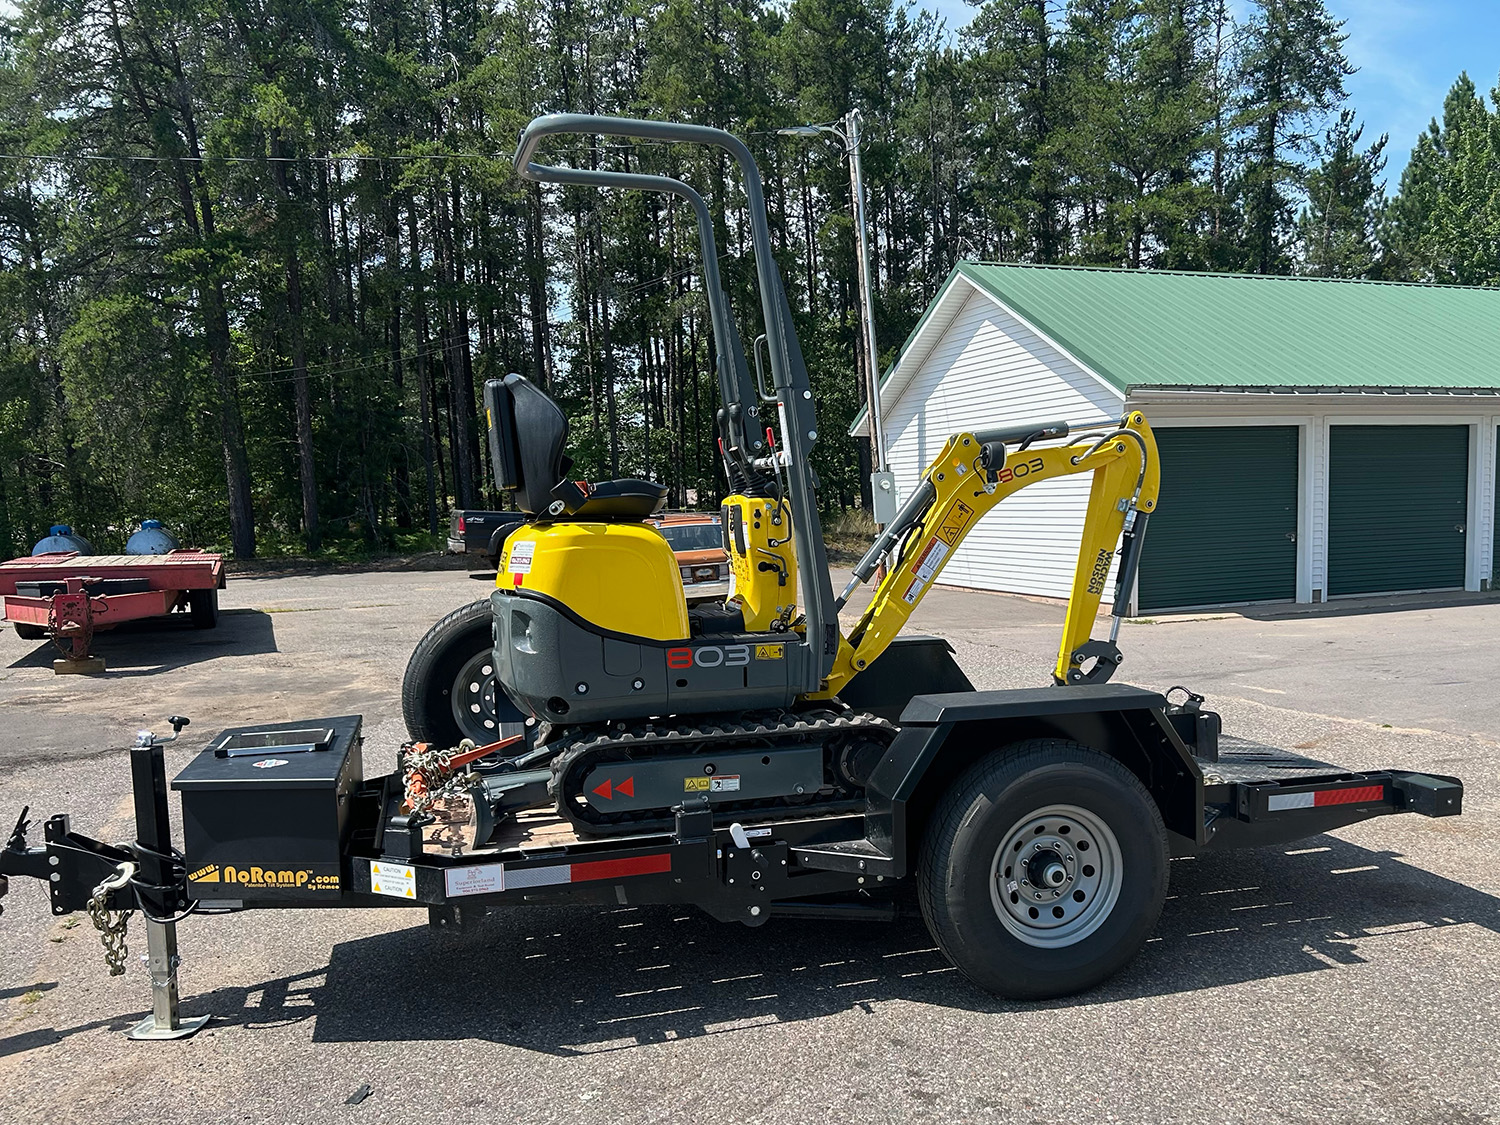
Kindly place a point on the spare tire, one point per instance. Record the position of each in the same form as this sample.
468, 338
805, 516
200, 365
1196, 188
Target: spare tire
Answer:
449, 691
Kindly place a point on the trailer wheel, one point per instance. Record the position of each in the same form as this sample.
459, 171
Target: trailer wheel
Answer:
203, 608
449, 691
28, 632
1044, 870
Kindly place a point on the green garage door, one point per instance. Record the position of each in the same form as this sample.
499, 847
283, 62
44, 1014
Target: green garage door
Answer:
1398, 503
1225, 529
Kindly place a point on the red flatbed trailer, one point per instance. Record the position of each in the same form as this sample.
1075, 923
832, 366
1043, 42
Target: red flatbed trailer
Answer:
70, 596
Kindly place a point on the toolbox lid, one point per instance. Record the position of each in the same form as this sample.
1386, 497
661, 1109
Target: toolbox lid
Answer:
296, 765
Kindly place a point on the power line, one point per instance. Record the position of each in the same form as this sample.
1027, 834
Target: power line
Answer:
62, 158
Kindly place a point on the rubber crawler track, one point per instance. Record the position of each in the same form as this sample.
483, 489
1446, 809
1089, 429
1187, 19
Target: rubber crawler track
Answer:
579, 750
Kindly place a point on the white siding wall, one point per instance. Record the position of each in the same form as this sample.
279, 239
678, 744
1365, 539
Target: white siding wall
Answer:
1487, 454
987, 369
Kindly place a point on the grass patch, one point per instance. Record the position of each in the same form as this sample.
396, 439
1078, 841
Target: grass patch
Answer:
32, 997
399, 550
848, 534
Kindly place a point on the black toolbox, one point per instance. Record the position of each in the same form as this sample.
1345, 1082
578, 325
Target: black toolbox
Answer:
265, 810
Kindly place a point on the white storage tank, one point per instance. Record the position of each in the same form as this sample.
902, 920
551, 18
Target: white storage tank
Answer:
60, 537
151, 539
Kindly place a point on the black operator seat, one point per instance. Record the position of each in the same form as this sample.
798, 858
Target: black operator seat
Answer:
527, 433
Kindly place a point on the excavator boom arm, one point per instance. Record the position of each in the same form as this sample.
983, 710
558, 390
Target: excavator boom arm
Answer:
972, 475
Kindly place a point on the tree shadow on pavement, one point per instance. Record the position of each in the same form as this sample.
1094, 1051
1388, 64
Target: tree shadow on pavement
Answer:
579, 980
151, 646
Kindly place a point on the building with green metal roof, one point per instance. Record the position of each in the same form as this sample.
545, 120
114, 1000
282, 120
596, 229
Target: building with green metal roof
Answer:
1318, 438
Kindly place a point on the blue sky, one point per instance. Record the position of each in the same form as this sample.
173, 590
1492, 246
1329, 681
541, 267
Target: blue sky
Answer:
1408, 53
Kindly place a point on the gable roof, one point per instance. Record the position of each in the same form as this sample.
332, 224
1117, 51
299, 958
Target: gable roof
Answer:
1221, 331
1148, 328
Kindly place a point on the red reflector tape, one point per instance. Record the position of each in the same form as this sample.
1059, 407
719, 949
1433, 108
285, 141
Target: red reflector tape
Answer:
1364, 794
1322, 798
615, 868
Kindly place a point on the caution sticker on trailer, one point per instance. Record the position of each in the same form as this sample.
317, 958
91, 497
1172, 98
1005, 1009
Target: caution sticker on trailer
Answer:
726, 783
393, 879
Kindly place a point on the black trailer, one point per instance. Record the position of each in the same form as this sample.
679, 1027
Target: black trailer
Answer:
1106, 776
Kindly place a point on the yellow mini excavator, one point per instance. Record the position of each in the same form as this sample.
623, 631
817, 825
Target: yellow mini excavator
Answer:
635, 690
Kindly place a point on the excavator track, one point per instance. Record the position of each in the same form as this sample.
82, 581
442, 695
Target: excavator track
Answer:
844, 735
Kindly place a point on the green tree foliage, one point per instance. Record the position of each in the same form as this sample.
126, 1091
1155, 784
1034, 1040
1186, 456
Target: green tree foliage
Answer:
257, 257
1345, 206
1445, 223
1293, 70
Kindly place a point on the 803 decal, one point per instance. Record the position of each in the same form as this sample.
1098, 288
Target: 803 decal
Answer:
1019, 469
709, 656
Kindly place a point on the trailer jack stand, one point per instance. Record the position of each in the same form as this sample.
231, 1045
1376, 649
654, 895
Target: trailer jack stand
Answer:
154, 836
164, 1022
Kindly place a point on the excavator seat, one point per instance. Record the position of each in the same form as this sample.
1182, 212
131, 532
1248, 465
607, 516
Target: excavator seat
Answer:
527, 434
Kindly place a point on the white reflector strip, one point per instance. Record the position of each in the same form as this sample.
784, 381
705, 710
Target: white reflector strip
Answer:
1290, 801
515, 879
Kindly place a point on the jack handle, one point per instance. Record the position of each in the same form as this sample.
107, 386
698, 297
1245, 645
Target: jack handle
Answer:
145, 738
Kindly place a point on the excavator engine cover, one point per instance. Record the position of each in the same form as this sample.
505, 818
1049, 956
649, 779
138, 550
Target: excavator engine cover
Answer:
558, 667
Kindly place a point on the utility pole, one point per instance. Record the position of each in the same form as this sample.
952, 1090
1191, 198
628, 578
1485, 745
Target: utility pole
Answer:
882, 486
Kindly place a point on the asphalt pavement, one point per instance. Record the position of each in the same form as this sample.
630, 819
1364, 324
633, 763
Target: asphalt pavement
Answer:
1351, 978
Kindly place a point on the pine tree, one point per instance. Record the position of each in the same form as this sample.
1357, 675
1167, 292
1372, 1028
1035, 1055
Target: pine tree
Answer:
1292, 70
1445, 223
1345, 205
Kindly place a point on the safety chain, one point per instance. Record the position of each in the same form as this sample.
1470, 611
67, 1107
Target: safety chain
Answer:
112, 924
429, 774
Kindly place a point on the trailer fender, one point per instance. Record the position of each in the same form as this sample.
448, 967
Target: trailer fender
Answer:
941, 735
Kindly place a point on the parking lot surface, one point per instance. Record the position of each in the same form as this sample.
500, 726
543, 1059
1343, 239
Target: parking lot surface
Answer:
1352, 978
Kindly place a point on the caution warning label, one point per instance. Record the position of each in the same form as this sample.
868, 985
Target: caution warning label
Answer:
393, 879
959, 518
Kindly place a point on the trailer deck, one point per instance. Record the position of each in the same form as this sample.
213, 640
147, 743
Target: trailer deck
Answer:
71, 596
282, 815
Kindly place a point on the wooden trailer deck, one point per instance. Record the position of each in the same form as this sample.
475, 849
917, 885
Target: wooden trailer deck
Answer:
178, 570
69, 596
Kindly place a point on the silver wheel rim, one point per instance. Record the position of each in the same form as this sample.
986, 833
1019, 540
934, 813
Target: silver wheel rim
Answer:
1056, 876
473, 699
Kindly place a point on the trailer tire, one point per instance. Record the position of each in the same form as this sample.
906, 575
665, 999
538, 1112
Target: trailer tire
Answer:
29, 632
453, 662
203, 608
1063, 804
